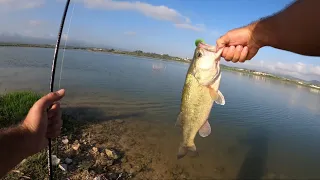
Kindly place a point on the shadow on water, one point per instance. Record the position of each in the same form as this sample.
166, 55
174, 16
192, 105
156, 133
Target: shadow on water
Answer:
76, 118
97, 114
254, 164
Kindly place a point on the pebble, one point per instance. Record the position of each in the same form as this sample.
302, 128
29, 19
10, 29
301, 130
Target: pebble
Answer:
131, 171
55, 160
68, 160
105, 162
63, 167
75, 145
99, 177
95, 149
65, 141
111, 154
84, 134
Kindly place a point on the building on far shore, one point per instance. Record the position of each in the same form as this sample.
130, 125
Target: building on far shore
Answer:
261, 73
314, 86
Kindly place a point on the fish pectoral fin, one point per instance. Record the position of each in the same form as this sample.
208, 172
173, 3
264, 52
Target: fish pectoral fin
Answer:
178, 122
213, 93
205, 129
217, 96
220, 100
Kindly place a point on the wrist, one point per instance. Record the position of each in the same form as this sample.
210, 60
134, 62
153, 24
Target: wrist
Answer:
28, 140
262, 32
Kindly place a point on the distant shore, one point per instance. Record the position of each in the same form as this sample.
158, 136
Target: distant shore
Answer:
139, 53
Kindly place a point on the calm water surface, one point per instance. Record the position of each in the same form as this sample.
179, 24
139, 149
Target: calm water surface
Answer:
266, 126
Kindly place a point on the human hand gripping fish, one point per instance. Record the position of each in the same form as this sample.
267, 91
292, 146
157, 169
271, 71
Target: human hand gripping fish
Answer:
201, 89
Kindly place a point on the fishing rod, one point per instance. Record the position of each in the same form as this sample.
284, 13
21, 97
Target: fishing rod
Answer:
53, 71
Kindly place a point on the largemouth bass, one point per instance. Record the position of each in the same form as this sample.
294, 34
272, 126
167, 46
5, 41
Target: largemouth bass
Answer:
200, 91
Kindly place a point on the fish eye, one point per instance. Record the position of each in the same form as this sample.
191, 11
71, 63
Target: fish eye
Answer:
199, 54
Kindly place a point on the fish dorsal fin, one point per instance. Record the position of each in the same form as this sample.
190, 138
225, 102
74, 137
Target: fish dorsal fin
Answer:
220, 100
205, 129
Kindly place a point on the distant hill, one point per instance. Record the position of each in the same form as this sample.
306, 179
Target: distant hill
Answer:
315, 82
17, 38
21, 39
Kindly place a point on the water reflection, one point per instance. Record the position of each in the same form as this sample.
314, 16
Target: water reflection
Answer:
158, 67
316, 91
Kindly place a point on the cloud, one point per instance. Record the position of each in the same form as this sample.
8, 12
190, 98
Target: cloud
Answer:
315, 70
161, 12
35, 22
130, 33
198, 27
11, 5
298, 69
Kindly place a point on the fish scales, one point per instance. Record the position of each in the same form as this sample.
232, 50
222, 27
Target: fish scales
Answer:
196, 106
199, 93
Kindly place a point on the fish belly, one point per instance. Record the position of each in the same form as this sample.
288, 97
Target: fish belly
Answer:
195, 108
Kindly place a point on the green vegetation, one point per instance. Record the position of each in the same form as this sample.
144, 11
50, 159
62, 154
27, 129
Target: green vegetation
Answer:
85, 161
14, 106
139, 53
39, 46
268, 75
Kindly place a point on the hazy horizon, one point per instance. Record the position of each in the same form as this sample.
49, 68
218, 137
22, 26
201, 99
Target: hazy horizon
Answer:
160, 26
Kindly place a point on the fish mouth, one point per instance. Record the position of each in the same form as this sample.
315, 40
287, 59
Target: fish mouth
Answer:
210, 80
207, 47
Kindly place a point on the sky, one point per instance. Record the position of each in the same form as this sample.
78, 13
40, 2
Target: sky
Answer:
161, 26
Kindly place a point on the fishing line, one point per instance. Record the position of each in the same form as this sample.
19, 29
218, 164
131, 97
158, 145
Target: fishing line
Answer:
53, 71
65, 44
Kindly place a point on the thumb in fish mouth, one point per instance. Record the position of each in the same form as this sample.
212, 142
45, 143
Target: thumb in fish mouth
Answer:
215, 49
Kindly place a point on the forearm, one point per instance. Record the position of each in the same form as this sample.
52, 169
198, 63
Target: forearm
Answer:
295, 29
14, 147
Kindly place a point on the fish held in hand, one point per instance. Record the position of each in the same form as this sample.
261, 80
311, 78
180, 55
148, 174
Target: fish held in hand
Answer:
200, 91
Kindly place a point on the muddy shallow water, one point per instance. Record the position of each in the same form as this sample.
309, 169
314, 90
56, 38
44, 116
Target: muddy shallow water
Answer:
266, 129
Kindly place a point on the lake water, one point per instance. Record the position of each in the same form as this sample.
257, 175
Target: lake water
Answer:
266, 128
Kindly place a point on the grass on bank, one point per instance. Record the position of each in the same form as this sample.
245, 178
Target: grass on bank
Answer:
14, 106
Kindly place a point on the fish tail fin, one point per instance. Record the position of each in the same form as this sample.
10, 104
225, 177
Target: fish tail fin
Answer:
183, 150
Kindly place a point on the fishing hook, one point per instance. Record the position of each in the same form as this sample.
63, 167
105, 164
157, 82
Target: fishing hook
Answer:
53, 71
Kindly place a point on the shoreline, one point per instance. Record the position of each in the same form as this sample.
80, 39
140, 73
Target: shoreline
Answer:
141, 54
111, 146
